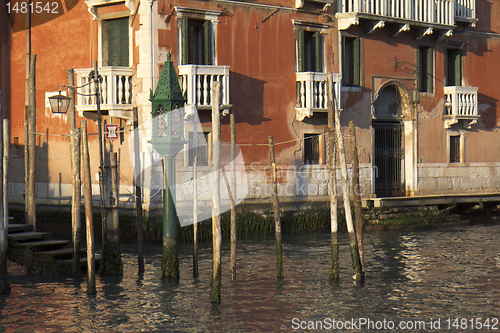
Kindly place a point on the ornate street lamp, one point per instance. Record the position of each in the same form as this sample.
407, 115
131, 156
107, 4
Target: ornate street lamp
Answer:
59, 103
168, 139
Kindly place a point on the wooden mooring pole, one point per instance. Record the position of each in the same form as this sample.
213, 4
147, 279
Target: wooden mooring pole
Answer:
4, 226
276, 209
356, 194
76, 204
335, 270
31, 146
138, 196
87, 190
347, 205
232, 193
76, 194
111, 263
216, 227
195, 208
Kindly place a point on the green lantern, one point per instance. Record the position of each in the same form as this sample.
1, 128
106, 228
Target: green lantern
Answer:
168, 112
168, 139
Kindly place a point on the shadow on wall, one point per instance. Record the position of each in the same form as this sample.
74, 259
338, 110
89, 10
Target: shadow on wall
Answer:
484, 13
247, 98
487, 111
51, 10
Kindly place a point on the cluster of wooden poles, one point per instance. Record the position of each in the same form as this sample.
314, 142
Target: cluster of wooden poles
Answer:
335, 143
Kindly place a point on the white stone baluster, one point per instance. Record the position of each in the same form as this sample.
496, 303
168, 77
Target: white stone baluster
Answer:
128, 99
302, 88
199, 87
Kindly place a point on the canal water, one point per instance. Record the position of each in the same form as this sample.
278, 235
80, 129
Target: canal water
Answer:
426, 280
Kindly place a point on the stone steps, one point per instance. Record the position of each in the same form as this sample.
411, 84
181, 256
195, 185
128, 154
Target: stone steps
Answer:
29, 236
39, 253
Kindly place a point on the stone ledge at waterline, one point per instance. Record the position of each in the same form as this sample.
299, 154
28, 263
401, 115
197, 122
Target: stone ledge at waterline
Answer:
312, 220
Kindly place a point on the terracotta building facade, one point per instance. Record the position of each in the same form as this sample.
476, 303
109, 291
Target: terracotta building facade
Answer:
417, 77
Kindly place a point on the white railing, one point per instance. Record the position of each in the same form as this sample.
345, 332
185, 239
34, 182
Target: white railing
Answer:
115, 89
428, 11
465, 9
460, 102
196, 83
312, 93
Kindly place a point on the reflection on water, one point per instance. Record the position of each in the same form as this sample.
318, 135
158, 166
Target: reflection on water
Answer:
410, 276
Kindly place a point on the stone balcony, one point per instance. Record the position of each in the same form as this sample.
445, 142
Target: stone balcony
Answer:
422, 16
115, 90
460, 105
312, 93
196, 83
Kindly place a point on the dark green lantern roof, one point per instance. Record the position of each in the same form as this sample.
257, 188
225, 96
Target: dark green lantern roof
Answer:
168, 91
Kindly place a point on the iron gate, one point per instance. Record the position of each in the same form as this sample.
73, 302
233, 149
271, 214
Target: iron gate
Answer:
389, 154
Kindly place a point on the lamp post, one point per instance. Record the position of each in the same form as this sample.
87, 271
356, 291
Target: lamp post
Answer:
168, 139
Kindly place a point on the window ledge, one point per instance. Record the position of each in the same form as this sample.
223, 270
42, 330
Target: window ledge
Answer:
92, 4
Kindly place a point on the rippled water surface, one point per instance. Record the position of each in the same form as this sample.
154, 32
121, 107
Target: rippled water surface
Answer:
411, 276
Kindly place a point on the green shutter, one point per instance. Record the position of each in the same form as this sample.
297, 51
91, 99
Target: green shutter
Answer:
454, 67
207, 43
118, 48
345, 71
301, 50
184, 40
317, 52
425, 69
428, 70
356, 71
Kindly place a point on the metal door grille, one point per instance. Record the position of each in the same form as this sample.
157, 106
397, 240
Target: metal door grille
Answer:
389, 154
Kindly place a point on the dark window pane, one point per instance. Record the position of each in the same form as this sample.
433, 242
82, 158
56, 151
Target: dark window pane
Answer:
310, 52
425, 69
351, 62
311, 149
455, 149
454, 67
115, 42
196, 42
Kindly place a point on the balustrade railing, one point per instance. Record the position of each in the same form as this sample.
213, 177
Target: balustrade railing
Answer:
312, 93
428, 11
465, 9
460, 102
196, 83
115, 89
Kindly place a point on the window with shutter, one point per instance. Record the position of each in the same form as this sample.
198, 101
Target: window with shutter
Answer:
310, 51
453, 67
425, 69
351, 67
115, 42
196, 42
455, 149
311, 149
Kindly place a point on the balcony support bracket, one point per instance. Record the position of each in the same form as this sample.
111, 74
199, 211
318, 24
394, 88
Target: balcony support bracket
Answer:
422, 32
372, 26
400, 29
346, 22
444, 33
